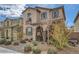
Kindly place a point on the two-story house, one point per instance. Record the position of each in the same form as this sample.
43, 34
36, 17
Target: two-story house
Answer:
36, 22
12, 28
76, 23
1, 30
75, 28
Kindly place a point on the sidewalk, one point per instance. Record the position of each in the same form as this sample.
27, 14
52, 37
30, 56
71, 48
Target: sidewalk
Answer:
5, 50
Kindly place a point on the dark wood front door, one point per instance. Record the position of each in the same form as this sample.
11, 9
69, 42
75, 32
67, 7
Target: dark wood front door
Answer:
39, 33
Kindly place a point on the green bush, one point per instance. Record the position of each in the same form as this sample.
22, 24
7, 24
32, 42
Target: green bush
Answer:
15, 43
7, 42
27, 48
35, 43
2, 41
51, 41
23, 41
36, 51
51, 51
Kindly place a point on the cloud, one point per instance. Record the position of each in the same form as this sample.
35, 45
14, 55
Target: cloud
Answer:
11, 10
34, 5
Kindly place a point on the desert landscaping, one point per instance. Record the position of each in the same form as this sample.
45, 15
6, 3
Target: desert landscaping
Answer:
39, 48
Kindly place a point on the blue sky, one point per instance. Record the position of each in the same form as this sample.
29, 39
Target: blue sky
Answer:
15, 10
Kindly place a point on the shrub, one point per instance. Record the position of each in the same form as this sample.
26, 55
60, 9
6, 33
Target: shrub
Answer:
36, 51
26, 39
35, 43
7, 42
51, 51
2, 41
23, 41
29, 40
27, 48
51, 40
15, 43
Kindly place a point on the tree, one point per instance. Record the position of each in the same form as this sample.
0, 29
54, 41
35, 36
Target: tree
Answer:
59, 34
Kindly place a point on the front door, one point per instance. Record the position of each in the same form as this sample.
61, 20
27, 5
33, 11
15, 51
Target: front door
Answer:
39, 33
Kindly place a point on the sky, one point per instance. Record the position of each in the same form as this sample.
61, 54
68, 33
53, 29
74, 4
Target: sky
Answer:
15, 10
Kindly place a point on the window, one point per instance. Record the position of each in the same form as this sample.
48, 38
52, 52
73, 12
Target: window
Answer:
29, 15
7, 23
55, 14
44, 15
29, 31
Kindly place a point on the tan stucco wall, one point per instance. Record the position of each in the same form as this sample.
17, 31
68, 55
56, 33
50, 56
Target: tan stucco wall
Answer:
36, 19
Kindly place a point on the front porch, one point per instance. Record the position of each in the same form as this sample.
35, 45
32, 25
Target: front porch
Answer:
40, 33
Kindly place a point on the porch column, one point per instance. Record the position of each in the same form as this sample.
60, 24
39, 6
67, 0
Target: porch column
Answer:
34, 33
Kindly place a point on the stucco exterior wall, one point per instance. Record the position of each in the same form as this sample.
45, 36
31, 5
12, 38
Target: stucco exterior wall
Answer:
37, 21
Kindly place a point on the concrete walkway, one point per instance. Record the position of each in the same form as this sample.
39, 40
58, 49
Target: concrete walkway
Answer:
5, 50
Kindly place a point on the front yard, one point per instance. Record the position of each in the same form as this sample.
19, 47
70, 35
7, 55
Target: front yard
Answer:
41, 46
20, 48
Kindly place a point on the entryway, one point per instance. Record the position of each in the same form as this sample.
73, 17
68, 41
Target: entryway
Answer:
39, 33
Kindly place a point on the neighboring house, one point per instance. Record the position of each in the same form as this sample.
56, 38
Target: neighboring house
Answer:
12, 28
1, 30
75, 28
76, 23
36, 22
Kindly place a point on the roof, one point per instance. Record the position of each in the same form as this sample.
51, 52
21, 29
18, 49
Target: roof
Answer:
36, 8
76, 17
43, 8
50, 8
12, 18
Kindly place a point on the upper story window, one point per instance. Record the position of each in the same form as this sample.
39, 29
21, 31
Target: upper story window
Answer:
29, 15
55, 14
29, 31
44, 15
7, 23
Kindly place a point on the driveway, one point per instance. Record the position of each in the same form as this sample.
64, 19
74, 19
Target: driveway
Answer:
5, 50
